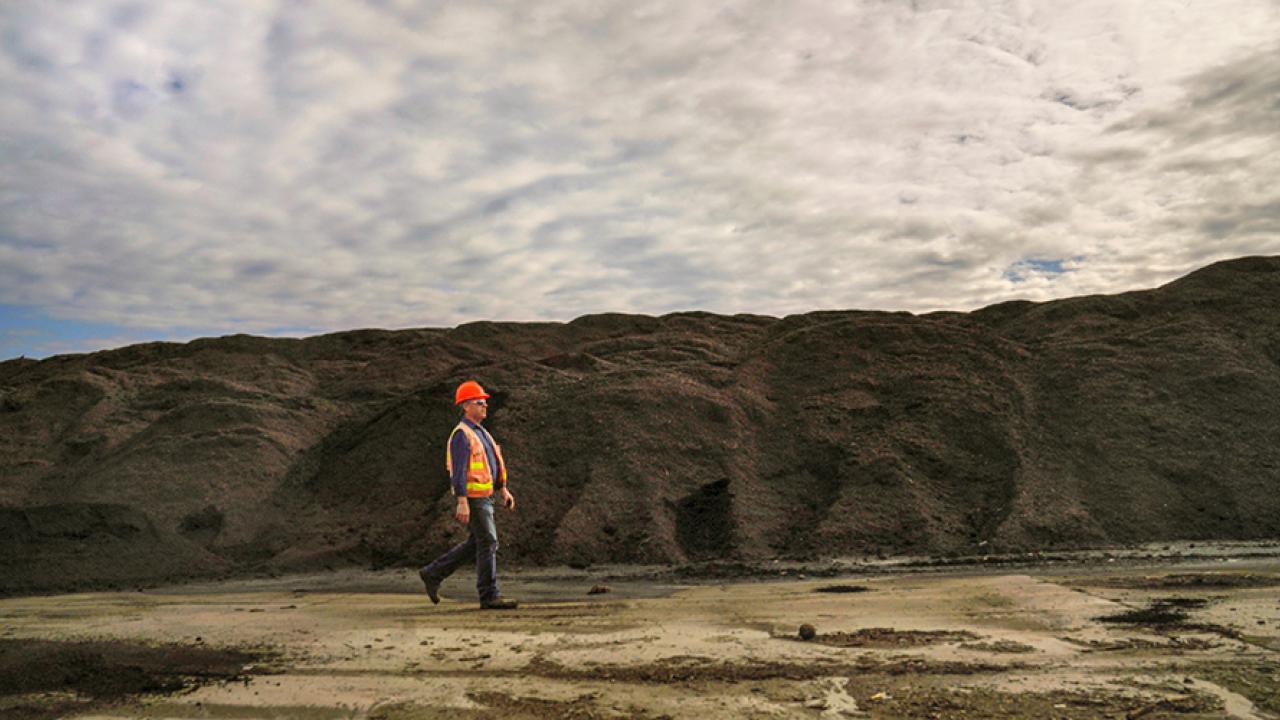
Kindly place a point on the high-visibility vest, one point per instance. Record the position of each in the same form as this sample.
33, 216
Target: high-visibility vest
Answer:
479, 476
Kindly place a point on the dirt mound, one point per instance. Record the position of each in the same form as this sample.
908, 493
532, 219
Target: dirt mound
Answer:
58, 546
687, 438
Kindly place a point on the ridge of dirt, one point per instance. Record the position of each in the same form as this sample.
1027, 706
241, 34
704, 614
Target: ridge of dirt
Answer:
682, 439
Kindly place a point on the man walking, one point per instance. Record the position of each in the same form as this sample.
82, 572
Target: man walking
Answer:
475, 465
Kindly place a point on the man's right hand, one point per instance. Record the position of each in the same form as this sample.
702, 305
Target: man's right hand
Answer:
462, 513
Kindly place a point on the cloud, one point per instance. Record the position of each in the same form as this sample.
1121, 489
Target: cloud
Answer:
252, 166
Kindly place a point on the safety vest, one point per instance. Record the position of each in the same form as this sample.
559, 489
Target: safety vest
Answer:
479, 477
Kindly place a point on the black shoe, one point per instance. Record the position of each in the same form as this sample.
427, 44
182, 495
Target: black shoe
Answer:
433, 586
498, 604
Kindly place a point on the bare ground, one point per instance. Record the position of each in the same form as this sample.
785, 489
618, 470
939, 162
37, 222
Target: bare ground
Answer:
1035, 642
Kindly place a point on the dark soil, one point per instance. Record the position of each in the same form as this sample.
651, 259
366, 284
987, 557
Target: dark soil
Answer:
836, 589
1185, 581
1175, 644
500, 706
937, 703
1167, 611
78, 676
1259, 681
699, 670
686, 438
1000, 646
1169, 615
890, 638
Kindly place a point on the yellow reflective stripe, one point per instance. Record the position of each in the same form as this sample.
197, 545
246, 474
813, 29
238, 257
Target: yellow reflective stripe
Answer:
448, 459
477, 465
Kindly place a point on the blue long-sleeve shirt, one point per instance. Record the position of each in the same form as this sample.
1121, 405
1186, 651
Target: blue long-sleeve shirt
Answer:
460, 456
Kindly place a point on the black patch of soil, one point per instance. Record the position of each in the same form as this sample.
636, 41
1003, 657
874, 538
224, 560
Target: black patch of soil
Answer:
1169, 614
1187, 581
1165, 611
940, 702
1175, 644
99, 672
501, 705
890, 638
698, 669
842, 589
999, 646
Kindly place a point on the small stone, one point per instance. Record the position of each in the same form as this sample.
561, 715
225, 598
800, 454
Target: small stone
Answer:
808, 632
598, 590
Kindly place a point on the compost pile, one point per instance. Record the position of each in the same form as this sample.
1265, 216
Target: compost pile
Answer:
1087, 421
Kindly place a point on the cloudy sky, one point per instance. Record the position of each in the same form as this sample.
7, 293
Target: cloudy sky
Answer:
174, 169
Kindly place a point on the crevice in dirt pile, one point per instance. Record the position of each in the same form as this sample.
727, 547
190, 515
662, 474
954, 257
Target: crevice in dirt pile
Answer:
704, 521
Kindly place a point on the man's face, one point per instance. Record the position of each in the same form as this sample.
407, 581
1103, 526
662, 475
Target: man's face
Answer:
476, 410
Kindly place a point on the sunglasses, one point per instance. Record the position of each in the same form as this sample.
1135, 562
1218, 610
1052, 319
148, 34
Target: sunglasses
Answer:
479, 402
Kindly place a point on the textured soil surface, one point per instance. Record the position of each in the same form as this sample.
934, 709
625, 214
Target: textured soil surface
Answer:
983, 643
1088, 422
57, 678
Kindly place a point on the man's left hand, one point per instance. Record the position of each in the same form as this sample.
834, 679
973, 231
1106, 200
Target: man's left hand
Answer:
508, 500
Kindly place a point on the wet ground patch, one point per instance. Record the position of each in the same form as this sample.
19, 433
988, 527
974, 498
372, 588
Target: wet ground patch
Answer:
47, 679
891, 638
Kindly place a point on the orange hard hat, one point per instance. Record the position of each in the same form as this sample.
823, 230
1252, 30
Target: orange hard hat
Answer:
469, 390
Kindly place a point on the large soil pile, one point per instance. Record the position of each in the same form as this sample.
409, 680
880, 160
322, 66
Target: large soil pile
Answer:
1095, 420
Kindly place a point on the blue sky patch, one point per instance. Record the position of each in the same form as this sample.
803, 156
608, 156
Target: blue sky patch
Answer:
1038, 267
25, 331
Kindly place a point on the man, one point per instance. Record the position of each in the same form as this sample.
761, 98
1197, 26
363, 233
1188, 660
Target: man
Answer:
475, 465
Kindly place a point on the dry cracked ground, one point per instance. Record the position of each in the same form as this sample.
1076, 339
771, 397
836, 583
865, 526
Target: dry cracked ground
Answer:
1189, 641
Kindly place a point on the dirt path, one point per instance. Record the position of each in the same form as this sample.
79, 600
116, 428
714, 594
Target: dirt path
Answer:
901, 646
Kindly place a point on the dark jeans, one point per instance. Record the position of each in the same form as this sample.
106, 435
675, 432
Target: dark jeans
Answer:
481, 544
